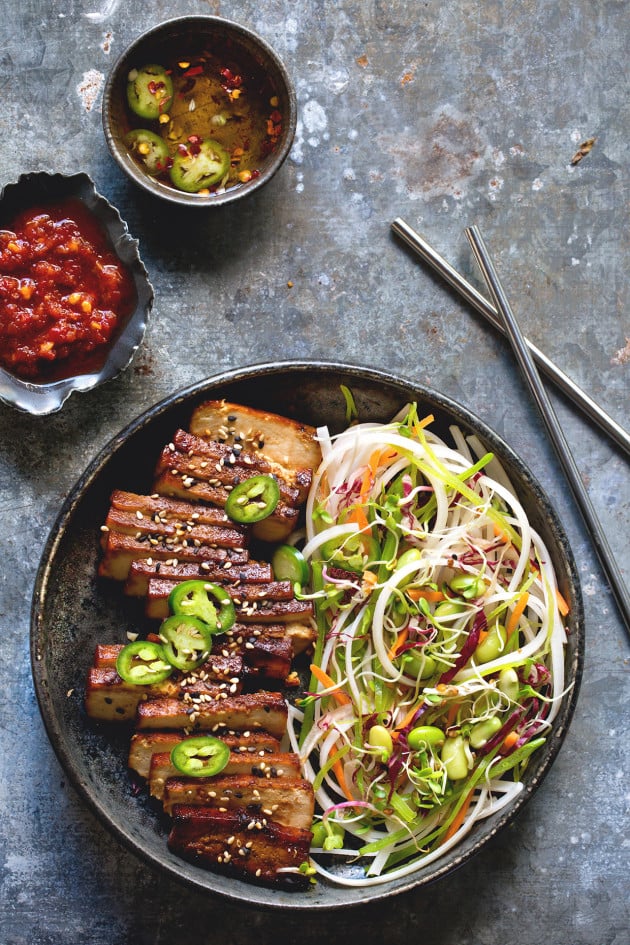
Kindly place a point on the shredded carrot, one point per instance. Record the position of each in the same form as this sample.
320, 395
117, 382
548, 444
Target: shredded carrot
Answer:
415, 593
459, 818
482, 636
341, 779
563, 606
358, 516
400, 639
515, 616
510, 740
451, 715
500, 533
407, 719
328, 683
421, 424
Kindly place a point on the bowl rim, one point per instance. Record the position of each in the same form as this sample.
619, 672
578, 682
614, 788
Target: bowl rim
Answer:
195, 877
170, 194
41, 399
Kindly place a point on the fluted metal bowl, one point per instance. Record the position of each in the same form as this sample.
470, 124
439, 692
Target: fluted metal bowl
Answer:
38, 189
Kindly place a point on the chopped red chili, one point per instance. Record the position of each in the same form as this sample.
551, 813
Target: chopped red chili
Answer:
64, 294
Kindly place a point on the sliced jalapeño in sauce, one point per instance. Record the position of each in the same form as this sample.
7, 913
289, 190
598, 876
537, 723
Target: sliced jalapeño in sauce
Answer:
149, 91
143, 663
205, 601
202, 756
253, 499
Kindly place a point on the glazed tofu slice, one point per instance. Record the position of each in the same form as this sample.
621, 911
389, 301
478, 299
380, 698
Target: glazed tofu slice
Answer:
275, 606
110, 698
288, 801
142, 570
247, 712
162, 510
239, 763
121, 550
195, 469
223, 840
287, 444
253, 746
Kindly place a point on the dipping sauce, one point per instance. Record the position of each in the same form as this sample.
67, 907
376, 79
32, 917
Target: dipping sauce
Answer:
64, 294
202, 122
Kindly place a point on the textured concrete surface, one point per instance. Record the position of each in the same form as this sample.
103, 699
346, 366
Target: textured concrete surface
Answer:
442, 114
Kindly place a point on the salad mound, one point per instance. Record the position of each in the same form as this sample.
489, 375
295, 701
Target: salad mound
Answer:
439, 664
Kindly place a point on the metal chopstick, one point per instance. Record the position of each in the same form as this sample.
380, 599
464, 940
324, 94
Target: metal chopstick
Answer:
484, 307
554, 430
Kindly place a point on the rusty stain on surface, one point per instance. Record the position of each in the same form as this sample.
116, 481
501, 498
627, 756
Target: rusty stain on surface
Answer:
107, 42
89, 88
623, 355
584, 149
362, 61
408, 77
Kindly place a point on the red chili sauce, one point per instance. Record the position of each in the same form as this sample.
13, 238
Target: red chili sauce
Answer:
64, 295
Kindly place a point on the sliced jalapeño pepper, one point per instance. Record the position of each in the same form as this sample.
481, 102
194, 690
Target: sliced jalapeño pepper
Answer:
187, 641
149, 91
289, 564
143, 663
206, 601
253, 499
201, 757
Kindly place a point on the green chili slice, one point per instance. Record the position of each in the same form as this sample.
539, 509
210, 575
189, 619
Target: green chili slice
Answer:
201, 757
205, 601
252, 500
143, 663
187, 641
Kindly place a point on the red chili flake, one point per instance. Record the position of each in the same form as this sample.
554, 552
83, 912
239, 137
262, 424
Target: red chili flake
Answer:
194, 70
154, 87
182, 149
276, 116
255, 173
195, 144
169, 163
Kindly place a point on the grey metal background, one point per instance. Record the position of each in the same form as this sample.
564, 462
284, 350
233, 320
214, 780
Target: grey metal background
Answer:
445, 115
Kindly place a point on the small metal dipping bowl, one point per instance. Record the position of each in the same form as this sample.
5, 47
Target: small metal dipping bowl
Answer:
183, 36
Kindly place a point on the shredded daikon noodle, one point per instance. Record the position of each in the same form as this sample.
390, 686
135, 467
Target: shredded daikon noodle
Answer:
439, 666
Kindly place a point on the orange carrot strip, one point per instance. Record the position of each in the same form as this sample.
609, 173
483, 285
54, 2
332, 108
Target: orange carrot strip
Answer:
563, 606
515, 616
400, 639
459, 818
510, 740
328, 683
421, 424
415, 593
341, 779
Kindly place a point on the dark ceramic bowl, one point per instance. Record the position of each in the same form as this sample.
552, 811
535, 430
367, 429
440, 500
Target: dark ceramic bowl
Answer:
189, 34
39, 189
73, 610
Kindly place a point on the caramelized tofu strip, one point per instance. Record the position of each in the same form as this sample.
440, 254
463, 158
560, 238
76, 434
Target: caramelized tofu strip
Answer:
110, 698
278, 606
248, 712
301, 635
239, 763
142, 570
159, 508
288, 801
174, 534
121, 550
251, 745
275, 528
224, 840
287, 444
206, 472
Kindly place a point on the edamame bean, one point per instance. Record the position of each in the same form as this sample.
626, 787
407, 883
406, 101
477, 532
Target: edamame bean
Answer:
425, 736
411, 554
483, 731
379, 737
448, 608
508, 683
423, 666
492, 646
454, 758
468, 585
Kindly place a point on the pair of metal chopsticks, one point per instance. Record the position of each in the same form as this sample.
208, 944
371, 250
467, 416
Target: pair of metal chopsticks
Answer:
524, 352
